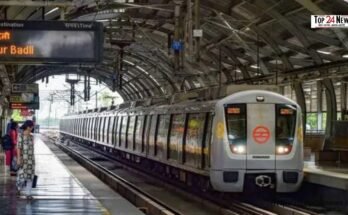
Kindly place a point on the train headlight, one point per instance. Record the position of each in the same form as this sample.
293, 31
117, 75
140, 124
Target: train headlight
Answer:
283, 150
238, 149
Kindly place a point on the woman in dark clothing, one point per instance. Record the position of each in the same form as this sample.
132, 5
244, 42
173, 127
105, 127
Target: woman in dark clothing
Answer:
14, 138
11, 153
26, 159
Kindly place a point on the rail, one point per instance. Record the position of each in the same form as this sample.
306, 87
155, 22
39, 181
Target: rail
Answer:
234, 206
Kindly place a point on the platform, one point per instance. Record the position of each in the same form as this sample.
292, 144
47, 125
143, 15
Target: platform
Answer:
58, 190
330, 175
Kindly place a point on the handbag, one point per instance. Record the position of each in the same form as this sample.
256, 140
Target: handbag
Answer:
34, 181
14, 166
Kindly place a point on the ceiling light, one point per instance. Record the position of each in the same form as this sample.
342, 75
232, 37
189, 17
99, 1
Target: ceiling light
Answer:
254, 66
51, 11
345, 56
323, 52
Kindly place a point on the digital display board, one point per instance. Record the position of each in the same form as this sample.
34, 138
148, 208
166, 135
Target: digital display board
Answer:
51, 42
24, 96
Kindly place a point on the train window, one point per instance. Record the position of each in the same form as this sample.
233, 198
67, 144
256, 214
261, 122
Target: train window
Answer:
123, 135
109, 130
114, 131
101, 128
89, 122
95, 128
130, 133
77, 123
236, 123
147, 133
176, 136
285, 126
162, 135
80, 127
98, 128
207, 141
139, 133
119, 126
152, 135
75, 126
101, 121
86, 127
194, 139
106, 128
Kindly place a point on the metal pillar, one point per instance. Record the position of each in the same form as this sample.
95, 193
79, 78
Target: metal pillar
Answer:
320, 105
331, 106
344, 110
50, 110
197, 26
301, 100
177, 31
189, 27
62, 13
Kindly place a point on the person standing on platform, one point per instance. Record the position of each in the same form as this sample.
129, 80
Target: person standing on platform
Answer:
13, 152
8, 127
25, 159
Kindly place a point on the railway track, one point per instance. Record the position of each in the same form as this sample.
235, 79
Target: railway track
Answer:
92, 160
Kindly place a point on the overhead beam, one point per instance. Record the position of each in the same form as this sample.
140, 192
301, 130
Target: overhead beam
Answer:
27, 3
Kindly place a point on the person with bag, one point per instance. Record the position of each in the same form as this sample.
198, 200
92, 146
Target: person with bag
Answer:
14, 137
26, 160
7, 147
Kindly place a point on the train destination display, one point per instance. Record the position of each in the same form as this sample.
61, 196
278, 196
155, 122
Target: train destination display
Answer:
51, 42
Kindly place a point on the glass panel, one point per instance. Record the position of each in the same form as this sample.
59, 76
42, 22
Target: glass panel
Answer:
286, 124
118, 131
130, 132
106, 129
312, 122
208, 137
152, 136
123, 134
110, 129
236, 123
194, 139
161, 142
94, 127
139, 133
176, 136
114, 131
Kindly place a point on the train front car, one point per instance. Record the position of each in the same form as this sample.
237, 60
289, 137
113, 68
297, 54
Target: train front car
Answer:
257, 143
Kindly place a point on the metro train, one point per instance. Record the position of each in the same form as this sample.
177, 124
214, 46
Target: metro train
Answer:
249, 139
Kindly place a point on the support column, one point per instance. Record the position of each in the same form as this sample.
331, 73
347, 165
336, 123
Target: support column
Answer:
189, 27
331, 106
301, 100
197, 26
62, 13
344, 111
177, 31
320, 105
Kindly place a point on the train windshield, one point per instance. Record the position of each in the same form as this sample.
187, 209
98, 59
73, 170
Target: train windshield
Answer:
285, 125
236, 123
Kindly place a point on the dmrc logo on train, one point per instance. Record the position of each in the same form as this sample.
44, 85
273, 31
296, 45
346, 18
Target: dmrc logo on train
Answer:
261, 134
329, 21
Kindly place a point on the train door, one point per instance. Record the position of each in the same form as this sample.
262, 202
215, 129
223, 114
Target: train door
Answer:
260, 150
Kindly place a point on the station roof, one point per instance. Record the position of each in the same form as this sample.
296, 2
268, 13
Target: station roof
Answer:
244, 41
